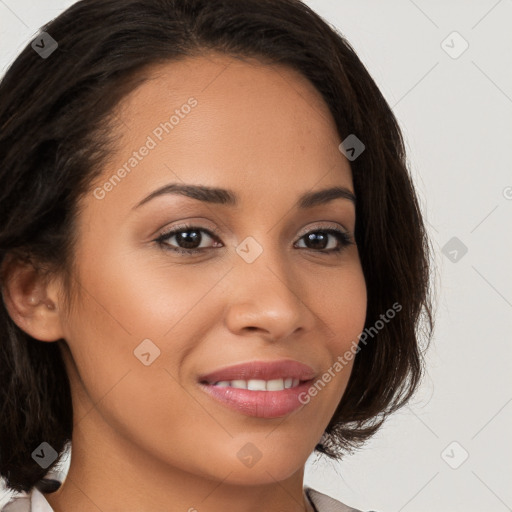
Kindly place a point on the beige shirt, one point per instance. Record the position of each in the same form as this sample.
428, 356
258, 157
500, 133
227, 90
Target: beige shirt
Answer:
36, 502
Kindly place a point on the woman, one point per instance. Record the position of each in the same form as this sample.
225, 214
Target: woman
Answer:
213, 259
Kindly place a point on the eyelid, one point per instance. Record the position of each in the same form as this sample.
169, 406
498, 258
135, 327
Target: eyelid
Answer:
191, 225
344, 236
211, 232
324, 225
215, 231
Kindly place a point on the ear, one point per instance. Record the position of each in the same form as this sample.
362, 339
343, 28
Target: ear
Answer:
31, 299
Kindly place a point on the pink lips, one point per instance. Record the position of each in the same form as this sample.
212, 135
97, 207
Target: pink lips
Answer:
261, 370
261, 404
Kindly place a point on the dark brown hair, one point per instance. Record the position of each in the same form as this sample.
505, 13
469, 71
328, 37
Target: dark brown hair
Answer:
56, 126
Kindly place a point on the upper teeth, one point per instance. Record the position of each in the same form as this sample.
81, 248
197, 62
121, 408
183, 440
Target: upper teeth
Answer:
260, 385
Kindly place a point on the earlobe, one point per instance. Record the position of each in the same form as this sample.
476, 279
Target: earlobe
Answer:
31, 300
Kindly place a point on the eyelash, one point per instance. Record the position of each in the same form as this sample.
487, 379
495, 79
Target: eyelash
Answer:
342, 237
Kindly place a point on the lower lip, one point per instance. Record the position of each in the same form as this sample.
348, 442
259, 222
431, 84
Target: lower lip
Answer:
261, 404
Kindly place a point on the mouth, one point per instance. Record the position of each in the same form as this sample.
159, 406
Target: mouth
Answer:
258, 384
260, 389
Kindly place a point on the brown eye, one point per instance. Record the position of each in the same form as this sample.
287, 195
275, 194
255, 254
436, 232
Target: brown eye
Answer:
318, 240
188, 239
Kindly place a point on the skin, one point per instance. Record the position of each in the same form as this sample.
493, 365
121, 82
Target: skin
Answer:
147, 438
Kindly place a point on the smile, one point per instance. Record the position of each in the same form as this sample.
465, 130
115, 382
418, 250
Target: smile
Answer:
260, 385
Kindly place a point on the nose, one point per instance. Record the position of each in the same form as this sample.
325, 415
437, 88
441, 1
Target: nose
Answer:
265, 298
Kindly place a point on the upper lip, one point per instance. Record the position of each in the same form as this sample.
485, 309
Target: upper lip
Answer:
263, 370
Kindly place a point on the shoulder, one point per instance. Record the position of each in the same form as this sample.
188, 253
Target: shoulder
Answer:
324, 503
33, 501
18, 503
36, 502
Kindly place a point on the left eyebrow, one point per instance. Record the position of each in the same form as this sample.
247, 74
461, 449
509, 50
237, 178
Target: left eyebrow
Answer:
311, 199
228, 197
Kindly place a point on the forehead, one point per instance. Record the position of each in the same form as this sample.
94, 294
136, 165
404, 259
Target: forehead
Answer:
215, 120
215, 76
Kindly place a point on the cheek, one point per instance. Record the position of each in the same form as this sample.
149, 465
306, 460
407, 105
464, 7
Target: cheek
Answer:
149, 296
341, 304
342, 309
130, 308
149, 406
124, 310
128, 298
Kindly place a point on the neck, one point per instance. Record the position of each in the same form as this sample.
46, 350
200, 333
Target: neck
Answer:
102, 483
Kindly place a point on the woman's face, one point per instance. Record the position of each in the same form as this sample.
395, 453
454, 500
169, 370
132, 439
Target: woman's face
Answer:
267, 284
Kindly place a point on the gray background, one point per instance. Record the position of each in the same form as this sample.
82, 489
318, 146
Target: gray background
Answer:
455, 110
